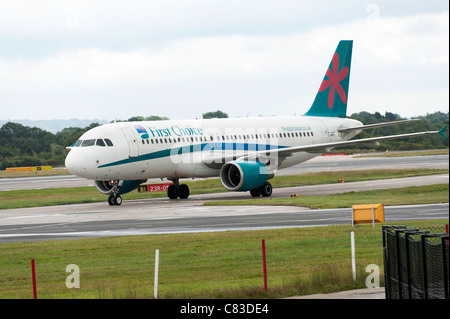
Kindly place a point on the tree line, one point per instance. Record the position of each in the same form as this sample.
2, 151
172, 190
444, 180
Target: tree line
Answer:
429, 122
31, 146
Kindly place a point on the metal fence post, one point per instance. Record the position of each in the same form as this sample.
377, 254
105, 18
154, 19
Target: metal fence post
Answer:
399, 262
424, 268
445, 264
385, 264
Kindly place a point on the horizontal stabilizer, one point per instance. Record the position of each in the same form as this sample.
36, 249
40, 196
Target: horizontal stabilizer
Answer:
370, 126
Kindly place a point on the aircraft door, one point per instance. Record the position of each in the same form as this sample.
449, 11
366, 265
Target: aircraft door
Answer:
132, 140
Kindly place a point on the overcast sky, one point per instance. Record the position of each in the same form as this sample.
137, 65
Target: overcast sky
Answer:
181, 58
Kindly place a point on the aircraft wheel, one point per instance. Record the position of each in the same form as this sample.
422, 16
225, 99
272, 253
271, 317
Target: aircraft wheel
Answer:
266, 189
255, 192
111, 200
172, 192
118, 200
183, 191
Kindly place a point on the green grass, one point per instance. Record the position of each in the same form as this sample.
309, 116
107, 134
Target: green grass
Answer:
407, 153
197, 265
438, 193
62, 196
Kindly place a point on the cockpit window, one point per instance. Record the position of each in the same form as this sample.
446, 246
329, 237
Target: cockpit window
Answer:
88, 143
98, 142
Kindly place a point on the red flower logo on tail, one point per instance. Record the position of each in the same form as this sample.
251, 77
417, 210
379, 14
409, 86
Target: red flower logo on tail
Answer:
333, 80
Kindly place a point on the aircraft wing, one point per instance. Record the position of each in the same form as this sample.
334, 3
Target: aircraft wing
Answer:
217, 160
327, 146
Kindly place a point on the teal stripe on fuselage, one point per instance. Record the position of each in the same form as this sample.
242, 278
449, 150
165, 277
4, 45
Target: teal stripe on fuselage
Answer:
195, 148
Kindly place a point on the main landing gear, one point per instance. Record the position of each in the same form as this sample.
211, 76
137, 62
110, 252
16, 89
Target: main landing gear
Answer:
265, 190
177, 191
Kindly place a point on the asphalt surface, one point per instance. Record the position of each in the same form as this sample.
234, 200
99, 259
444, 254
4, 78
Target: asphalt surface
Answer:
160, 215
153, 216
369, 293
71, 225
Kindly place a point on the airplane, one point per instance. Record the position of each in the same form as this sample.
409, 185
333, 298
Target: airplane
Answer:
243, 152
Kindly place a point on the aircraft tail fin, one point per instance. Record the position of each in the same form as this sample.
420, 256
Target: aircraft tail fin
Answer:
331, 99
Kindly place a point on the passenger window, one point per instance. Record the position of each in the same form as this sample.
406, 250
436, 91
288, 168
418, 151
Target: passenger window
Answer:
88, 143
100, 142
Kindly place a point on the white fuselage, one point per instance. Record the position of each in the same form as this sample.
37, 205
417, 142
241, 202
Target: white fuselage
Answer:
181, 148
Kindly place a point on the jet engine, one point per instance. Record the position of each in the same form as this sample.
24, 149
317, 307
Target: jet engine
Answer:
244, 175
106, 187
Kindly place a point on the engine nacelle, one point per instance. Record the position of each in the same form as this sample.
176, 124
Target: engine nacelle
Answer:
244, 175
105, 187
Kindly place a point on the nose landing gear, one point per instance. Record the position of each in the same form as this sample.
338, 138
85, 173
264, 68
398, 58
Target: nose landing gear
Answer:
115, 199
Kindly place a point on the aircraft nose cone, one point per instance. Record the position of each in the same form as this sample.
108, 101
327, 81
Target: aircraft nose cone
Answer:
75, 163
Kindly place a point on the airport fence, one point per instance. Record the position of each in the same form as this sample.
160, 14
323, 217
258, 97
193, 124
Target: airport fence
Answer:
416, 262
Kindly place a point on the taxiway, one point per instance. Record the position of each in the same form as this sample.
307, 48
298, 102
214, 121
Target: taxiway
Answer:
161, 215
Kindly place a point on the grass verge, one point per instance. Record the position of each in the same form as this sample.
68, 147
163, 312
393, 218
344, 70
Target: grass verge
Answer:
300, 261
406, 153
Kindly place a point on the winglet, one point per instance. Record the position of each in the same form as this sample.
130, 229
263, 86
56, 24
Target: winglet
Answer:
442, 131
